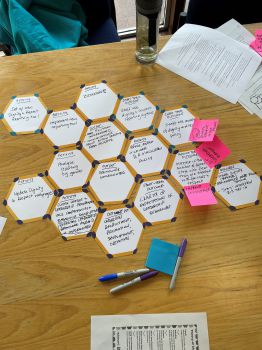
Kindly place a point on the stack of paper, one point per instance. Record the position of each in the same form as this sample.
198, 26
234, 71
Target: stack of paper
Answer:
212, 59
251, 99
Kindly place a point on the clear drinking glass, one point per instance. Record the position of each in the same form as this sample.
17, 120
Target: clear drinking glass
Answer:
147, 29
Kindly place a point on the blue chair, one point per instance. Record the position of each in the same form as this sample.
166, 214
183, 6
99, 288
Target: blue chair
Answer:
100, 21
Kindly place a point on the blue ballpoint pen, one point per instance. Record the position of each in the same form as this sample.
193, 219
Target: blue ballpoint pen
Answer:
114, 276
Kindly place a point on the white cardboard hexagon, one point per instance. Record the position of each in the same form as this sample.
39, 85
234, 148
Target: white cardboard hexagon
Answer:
157, 201
74, 215
69, 169
25, 114
30, 199
238, 186
189, 169
176, 125
112, 182
64, 127
103, 140
136, 112
147, 154
97, 101
119, 232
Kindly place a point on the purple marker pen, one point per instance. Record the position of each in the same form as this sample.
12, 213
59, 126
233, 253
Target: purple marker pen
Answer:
134, 281
180, 255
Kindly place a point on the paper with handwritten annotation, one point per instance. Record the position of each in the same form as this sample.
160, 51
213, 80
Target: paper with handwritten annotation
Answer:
112, 182
30, 198
69, 169
103, 140
136, 112
238, 185
181, 331
213, 152
147, 154
157, 200
119, 231
25, 114
189, 169
175, 126
203, 130
74, 215
64, 127
96, 100
200, 195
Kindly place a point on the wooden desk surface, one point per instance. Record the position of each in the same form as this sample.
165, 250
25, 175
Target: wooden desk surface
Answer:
49, 288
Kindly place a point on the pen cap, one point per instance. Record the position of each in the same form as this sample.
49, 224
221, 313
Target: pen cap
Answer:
182, 247
148, 275
148, 7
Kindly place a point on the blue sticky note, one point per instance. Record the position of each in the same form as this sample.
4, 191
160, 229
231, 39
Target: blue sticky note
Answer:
162, 256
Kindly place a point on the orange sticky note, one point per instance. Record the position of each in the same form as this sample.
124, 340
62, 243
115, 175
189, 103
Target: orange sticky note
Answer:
203, 130
213, 152
200, 195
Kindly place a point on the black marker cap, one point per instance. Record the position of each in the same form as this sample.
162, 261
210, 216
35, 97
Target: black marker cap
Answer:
148, 7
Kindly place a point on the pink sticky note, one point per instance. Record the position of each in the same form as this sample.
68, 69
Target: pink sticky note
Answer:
203, 130
200, 194
256, 46
213, 152
258, 35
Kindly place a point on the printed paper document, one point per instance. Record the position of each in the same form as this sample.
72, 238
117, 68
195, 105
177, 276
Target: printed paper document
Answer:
184, 331
210, 59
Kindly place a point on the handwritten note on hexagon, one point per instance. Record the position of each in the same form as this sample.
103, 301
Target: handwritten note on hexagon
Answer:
103, 140
64, 127
157, 200
24, 114
112, 182
97, 101
136, 112
119, 232
238, 186
176, 125
147, 155
189, 169
69, 169
30, 199
74, 215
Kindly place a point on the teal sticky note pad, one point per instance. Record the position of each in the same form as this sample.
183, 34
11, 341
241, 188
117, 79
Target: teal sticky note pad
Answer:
162, 256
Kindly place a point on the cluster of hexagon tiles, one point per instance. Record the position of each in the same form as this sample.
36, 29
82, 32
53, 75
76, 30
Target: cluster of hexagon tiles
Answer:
120, 165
